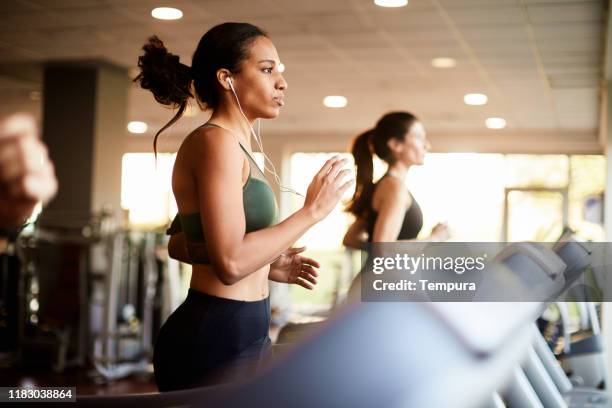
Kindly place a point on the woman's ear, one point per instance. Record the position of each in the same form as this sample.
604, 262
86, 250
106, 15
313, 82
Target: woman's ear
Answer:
223, 77
395, 145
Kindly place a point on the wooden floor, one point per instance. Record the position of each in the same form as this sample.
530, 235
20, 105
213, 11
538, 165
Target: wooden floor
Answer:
85, 383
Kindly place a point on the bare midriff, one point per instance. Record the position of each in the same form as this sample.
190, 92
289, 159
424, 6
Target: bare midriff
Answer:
250, 288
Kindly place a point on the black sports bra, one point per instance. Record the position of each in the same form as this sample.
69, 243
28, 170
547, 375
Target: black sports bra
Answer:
411, 225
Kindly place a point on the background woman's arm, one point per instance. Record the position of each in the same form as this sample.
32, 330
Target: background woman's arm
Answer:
395, 200
356, 236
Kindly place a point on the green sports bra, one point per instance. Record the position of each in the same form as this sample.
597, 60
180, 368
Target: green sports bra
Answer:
260, 209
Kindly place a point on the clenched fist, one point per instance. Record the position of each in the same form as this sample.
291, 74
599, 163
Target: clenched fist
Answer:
27, 175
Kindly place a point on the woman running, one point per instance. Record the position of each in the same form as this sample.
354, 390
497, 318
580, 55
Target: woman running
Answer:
226, 224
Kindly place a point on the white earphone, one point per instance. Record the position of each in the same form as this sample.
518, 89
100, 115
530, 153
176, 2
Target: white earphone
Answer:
260, 144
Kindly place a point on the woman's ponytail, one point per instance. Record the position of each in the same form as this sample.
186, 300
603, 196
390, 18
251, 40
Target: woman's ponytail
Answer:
166, 77
364, 189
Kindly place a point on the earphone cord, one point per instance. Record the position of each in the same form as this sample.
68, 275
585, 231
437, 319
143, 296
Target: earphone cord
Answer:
260, 146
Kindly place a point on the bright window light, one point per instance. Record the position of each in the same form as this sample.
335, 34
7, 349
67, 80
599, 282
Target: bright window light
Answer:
146, 188
259, 160
495, 123
443, 62
475, 99
137, 127
166, 13
335, 101
281, 67
324, 235
391, 3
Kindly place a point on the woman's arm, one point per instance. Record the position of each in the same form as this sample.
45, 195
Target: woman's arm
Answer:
218, 175
395, 200
356, 236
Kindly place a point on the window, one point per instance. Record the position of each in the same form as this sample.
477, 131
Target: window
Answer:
470, 192
146, 189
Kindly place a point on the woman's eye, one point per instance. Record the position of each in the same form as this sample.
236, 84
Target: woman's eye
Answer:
268, 70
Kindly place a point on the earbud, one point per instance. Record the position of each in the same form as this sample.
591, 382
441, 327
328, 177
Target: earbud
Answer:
260, 144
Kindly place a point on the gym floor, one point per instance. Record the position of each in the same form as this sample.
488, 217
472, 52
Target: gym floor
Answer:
79, 378
82, 379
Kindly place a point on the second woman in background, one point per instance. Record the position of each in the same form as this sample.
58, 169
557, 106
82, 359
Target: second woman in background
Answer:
387, 211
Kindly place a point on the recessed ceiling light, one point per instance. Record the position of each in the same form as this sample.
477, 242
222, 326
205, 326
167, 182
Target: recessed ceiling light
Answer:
137, 127
443, 62
495, 123
335, 101
475, 99
281, 67
391, 3
166, 13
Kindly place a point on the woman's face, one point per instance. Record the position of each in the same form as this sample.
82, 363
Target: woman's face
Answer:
259, 85
415, 145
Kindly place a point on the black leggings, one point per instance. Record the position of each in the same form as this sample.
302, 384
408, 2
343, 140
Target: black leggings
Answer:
210, 340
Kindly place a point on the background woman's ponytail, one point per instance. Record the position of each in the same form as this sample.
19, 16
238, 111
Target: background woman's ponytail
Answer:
364, 188
166, 77
393, 125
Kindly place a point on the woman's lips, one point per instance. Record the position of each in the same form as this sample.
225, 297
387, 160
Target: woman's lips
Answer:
279, 101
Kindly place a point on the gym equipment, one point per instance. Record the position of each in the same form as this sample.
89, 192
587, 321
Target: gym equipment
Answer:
88, 293
359, 358
547, 385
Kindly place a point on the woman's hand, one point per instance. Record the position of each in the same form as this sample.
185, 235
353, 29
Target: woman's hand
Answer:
440, 232
293, 268
27, 175
327, 187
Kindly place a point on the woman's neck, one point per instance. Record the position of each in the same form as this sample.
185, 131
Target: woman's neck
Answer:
231, 119
398, 170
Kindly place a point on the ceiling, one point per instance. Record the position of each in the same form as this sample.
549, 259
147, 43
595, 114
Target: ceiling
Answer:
539, 61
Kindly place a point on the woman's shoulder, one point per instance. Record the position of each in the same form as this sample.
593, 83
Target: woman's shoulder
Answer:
392, 188
391, 185
210, 141
211, 137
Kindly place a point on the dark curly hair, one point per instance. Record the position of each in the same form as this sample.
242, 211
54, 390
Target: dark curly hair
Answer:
223, 46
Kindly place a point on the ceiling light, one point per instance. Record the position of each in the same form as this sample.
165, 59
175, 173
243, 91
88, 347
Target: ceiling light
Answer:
391, 3
475, 99
443, 62
495, 123
281, 67
137, 127
166, 13
335, 101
